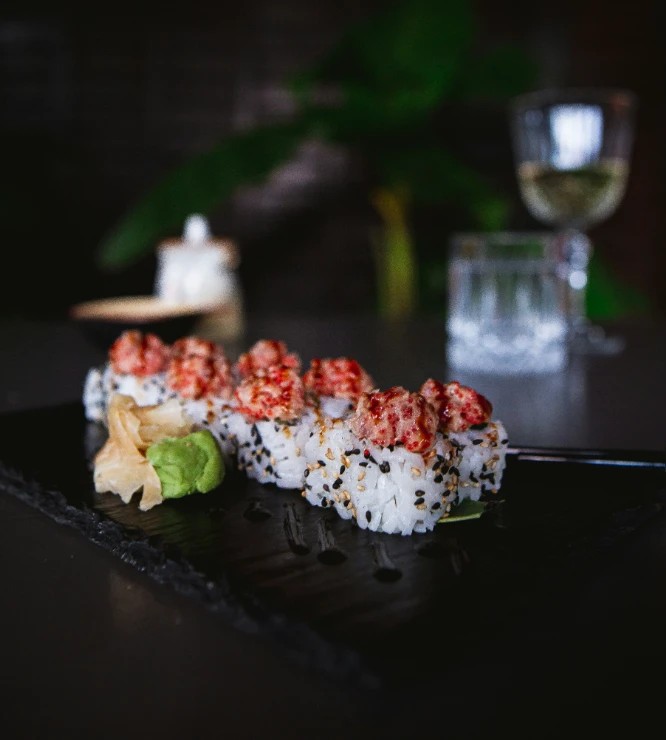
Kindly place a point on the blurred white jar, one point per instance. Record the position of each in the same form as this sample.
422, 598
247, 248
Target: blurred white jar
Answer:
197, 269
506, 312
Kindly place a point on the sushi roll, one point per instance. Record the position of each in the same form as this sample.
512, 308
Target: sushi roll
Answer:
136, 367
465, 417
199, 375
336, 384
270, 425
386, 466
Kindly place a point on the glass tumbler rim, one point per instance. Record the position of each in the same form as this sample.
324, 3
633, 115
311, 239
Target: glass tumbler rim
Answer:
617, 96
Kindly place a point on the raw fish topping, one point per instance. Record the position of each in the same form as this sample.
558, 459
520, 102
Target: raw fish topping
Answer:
199, 368
137, 354
188, 346
458, 406
396, 416
340, 377
274, 393
264, 354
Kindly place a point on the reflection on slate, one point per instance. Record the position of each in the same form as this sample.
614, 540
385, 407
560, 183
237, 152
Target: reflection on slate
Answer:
353, 602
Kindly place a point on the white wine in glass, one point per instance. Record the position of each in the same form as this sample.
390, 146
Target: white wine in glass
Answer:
572, 150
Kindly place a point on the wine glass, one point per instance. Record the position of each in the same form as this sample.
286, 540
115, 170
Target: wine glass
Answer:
572, 149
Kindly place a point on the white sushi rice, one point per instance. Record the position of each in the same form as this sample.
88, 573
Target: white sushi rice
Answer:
102, 382
272, 451
212, 414
336, 408
94, 397
386, 489
483, 459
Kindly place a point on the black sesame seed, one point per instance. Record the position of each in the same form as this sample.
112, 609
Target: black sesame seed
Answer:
453, 470
306, 473
436, 505
473, 478
345, 503
504, 441
385, 467
419, 492
342, 469
372, 459
322, 463
477, 441
391, 448
419, 501
368, 516
269, 469
337, 483
439, 478
363, 464
325, 487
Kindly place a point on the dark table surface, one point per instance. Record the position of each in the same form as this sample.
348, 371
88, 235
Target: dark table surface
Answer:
93, 647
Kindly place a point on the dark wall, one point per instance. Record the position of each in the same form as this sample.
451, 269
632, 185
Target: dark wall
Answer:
95, 107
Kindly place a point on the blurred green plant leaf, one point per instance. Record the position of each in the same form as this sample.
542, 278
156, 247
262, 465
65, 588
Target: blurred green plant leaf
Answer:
432, 175
608, 297
497, 74
199, 185
413, 44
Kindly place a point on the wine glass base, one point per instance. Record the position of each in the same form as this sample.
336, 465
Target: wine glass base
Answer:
593, 340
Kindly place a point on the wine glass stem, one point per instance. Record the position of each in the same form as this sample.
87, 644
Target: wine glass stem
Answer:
575, 253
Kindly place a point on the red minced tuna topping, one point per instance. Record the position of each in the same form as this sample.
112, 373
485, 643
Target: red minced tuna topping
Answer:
134, 353
188, 346
199, 368
458, 406
340, 377
396, 416
264, 354
274, 393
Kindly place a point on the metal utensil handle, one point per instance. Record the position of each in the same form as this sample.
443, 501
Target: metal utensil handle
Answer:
621, 458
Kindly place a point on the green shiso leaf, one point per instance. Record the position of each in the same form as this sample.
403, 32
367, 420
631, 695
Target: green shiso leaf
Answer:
185, 465
465, 510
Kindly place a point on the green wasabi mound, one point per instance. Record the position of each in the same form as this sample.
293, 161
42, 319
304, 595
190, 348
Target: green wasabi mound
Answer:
185, 465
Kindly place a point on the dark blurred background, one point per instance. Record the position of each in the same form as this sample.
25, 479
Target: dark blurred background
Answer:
97, 105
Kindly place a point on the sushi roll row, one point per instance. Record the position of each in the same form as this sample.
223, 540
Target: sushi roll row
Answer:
394, 460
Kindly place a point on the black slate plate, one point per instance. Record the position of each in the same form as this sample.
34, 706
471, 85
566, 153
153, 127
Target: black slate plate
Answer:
363, 606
